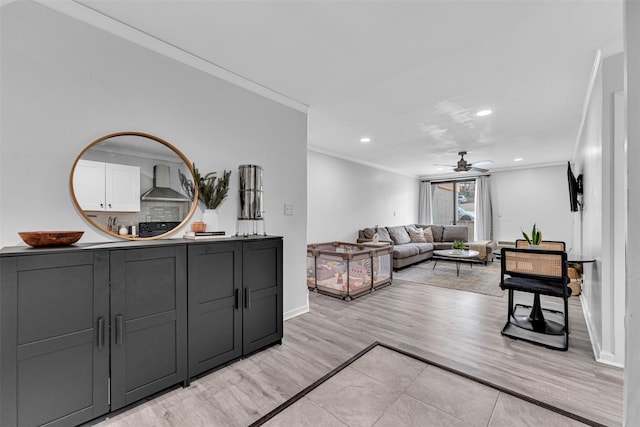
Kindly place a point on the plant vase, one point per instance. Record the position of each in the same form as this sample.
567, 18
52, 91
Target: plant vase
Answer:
375, 238
210, 217
535, 247
456, 251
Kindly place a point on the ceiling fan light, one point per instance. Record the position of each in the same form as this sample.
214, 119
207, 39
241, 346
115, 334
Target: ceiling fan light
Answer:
483, 113
365, 139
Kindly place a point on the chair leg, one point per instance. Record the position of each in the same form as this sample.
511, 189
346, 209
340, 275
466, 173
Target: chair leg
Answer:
510, 308
566, 314
566, 323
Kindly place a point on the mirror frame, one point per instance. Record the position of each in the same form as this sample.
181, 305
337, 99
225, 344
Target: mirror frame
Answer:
187, 162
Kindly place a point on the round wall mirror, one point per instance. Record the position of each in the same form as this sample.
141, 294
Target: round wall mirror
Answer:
134, 186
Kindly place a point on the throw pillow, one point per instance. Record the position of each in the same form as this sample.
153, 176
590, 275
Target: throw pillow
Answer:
383, 235
428, 235
398, 234
367, 233
417, 235
455, 232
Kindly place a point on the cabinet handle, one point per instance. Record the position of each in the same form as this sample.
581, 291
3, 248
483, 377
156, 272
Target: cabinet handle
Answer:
119, 329
237, 299
100, 333
102, 205
247, 298
109, 204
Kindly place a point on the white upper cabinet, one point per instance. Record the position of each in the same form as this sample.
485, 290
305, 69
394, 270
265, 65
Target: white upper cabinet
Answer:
122, 188
102, 186
89, 184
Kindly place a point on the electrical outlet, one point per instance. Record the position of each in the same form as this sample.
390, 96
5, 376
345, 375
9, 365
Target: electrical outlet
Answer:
288, 209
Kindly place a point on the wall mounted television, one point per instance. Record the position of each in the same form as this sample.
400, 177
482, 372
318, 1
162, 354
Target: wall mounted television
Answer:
575, 188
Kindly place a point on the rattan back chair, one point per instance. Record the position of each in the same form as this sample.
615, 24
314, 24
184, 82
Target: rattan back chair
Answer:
541, 272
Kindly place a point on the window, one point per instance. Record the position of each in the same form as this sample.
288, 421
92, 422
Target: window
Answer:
453, 202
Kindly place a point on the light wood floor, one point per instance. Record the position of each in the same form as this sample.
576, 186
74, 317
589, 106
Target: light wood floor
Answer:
458, 329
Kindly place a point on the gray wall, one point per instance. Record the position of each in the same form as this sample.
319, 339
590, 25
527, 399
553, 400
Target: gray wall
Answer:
523, 197
600, 233
65, 83
344, 197
632, 63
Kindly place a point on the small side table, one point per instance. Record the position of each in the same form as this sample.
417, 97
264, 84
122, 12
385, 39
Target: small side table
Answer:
576, 263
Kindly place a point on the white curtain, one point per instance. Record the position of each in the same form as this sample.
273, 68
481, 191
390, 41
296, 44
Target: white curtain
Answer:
424, 208
484, 218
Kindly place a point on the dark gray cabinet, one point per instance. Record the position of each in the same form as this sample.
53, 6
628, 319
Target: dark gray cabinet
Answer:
215, 316
148, 322
235, 300
54, 358
262, 291
86, 330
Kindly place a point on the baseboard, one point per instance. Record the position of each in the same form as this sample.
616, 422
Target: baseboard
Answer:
296, 311
596, 345
608, 358
600, 356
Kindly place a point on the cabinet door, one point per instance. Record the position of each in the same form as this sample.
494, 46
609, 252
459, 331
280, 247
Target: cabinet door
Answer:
122, 188
54, 361
148, 321
89, 184
262, 288
215, 311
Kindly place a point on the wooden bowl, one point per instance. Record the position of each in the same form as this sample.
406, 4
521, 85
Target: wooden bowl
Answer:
50, 238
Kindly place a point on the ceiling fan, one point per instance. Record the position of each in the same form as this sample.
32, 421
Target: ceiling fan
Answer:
464, 166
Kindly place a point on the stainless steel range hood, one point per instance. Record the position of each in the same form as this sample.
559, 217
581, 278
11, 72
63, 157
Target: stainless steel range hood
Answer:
162, 191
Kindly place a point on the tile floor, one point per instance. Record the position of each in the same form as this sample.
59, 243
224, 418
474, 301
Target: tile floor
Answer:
387, 388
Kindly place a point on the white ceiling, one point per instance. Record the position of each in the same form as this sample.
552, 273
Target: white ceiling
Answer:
408, 74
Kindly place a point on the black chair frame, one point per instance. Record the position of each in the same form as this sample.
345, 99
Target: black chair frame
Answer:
538, 284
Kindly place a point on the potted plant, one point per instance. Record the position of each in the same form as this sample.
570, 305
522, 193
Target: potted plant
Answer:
535, 239
376, 236
212, 190
458, 246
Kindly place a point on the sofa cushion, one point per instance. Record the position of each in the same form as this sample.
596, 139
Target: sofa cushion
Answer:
436, 230
455, 232
399, 235
416, 234
428, 235
368, 233
423, 247
405, 251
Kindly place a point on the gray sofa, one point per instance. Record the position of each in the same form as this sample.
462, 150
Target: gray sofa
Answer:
406, 252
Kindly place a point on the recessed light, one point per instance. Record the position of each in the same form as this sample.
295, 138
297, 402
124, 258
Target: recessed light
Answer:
365, 139
483, 113
519, 159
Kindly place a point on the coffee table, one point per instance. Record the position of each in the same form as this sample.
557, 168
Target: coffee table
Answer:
457, 256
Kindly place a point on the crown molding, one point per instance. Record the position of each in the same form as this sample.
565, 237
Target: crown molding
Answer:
103, 22
320, 150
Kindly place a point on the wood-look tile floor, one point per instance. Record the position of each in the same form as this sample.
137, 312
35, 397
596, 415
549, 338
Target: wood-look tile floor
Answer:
457, 329
387, 388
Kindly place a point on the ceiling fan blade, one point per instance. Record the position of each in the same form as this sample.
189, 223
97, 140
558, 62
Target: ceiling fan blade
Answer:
483, 162
475, 169
439, 164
